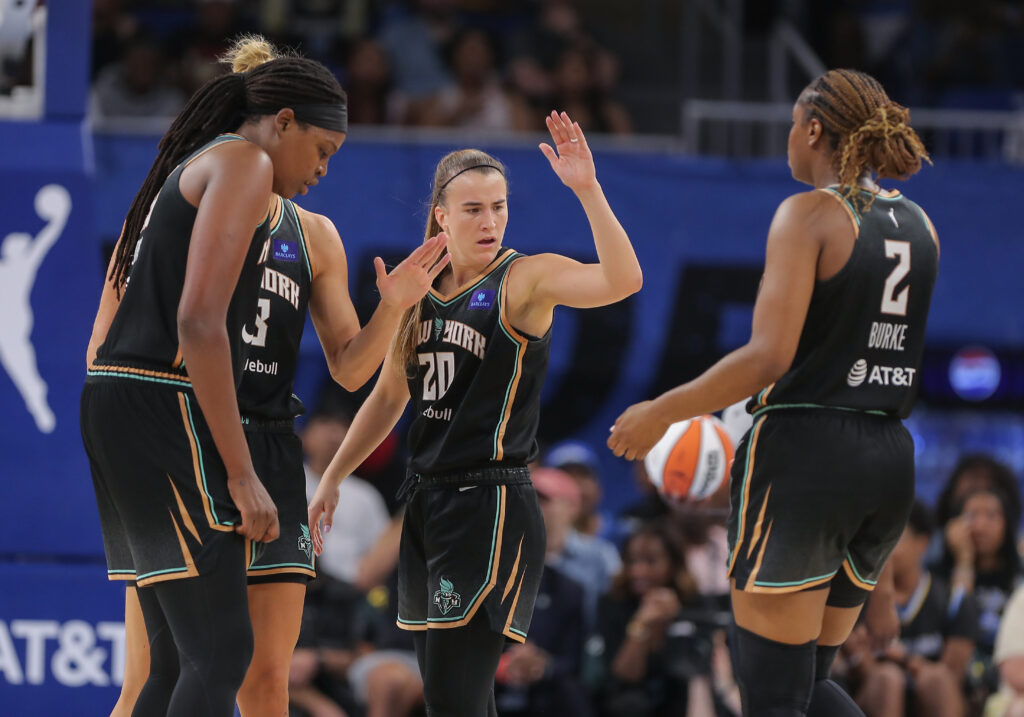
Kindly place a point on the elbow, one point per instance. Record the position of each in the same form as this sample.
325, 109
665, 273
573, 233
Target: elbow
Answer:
346, 377
197, 330
771, 365
633, 282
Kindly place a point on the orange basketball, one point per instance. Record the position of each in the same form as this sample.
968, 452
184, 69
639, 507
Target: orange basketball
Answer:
691, 460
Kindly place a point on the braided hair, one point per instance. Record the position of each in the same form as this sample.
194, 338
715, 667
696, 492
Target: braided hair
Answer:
450, 166
222, 105
868, 131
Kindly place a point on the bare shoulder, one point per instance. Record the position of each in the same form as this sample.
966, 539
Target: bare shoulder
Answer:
318, 227
815, 213
241, 157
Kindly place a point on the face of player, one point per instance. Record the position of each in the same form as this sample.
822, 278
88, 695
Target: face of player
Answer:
984, 515
474, 215
648, 564
301, 154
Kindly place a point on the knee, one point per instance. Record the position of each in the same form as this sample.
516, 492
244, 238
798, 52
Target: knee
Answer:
266, 678
933, 679
390, 677
889, 678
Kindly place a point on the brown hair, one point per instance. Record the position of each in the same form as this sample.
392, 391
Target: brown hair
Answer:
680, 578
451, 165
868, 131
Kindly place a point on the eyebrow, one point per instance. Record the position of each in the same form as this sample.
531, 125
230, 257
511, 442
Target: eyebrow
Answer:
334, 147
473, 203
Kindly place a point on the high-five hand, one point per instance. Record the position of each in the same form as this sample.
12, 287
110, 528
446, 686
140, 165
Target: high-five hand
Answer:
411, 279
571, 158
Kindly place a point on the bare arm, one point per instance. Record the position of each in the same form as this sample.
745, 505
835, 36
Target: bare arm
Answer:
779, 313
228, 214
354, 353
956, 654
549, 280
371, 425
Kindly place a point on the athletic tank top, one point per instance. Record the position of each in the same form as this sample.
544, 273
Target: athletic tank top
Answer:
863, 337
476, 390
144, 331
272, 335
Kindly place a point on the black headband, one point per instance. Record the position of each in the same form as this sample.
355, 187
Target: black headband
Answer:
475, 166
332, 117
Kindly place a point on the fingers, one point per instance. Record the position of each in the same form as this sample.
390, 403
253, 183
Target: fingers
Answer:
378, 265
273, 532
548, 152
440, 242
439, 266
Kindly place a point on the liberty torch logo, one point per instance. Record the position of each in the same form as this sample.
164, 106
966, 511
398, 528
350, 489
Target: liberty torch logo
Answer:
446, 598
21, 255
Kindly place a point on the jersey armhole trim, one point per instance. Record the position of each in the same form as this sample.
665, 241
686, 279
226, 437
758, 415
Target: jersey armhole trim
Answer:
854, 217
303, 234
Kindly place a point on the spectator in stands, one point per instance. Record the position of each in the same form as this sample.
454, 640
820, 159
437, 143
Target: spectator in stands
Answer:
581, 462
973, 471
575, 88
477, 98
137, 85
368, 83
575, 555
923, 673
1009, 658
201, 44
981, 558
648, 645
112, 29
413, 40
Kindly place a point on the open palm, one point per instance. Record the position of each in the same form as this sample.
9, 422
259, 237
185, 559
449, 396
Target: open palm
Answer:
570, 158
411, 279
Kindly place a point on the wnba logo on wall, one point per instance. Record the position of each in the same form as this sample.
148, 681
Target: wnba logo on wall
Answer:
21, 255
446, 598
858, 372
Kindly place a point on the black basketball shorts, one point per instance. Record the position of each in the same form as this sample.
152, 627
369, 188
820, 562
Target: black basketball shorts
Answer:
161, 486
819, 498
277, 457
471, 541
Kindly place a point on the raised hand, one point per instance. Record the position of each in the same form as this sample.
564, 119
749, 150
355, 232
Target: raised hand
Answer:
411, 279
571, 158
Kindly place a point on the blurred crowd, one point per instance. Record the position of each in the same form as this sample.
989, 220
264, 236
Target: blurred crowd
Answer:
633, 620
483, 65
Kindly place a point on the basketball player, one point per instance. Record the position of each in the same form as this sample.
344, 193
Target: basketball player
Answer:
472, 356
177, 492
304, 264
823, 481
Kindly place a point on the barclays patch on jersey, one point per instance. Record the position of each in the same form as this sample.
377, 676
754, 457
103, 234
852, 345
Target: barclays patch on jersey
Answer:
285, 250
481, 299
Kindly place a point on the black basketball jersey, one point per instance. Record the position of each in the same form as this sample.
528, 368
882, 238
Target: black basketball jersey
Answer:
273, 334
863, 337
476, 391
144, 331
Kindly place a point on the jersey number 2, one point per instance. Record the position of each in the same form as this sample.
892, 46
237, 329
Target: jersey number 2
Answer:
891, 302
439, 375
260, 338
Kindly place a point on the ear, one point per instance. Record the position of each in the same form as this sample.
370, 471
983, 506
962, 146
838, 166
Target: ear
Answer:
814, 131
284, 119
439, 215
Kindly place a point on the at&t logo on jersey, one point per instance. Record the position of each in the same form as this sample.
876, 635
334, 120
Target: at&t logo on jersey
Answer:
879, 375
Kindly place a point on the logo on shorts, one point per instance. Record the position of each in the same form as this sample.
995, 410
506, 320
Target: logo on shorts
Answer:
858, 373
286, 250
482, 299
305, 542
438, 327
446, 598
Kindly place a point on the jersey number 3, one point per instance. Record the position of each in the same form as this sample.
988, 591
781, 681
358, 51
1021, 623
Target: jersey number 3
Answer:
439, 375
260, 337
892, 303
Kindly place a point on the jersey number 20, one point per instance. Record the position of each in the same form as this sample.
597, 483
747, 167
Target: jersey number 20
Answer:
439, 375
891, 302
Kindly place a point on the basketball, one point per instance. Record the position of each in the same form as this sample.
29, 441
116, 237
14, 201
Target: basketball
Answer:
691, 460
